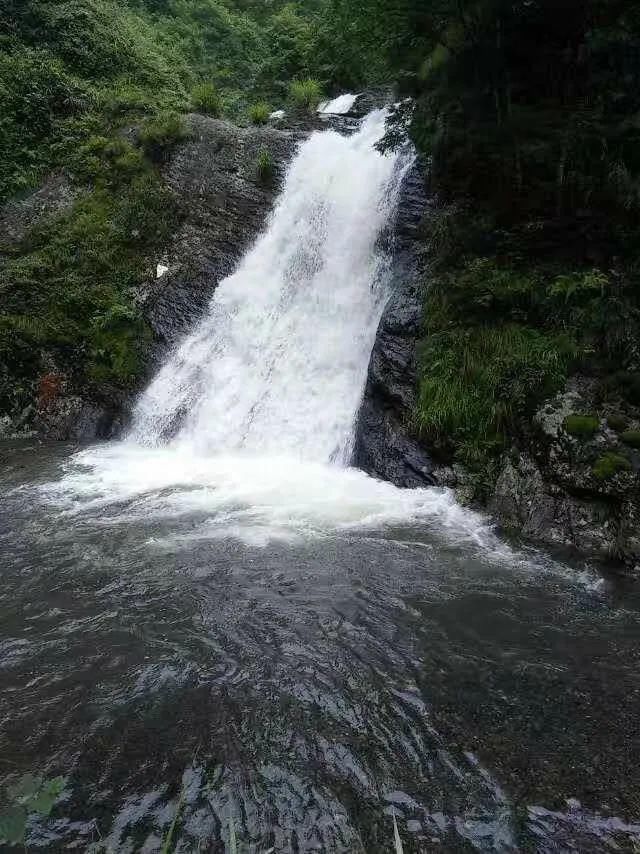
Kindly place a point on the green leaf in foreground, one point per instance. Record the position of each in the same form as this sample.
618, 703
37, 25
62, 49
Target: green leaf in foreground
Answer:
30, 795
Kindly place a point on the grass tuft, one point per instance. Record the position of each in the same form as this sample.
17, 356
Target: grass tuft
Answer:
159, 135
609, 465
306, 94
206, 99
265, 167
259, 113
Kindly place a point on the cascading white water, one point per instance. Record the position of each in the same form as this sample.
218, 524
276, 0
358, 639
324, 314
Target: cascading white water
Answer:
248, 427
338, 106
279, 362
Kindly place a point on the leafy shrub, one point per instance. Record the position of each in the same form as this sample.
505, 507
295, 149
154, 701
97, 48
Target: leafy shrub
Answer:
125, 98
306, 94
259, 113
568, 286
631, 438
610, 464
37, 94
206, 99
618, 423
159, 135
265, 166
581, 426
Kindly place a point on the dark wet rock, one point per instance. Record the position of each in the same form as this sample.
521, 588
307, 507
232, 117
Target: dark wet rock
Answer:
72, 418
372, 99
385, 445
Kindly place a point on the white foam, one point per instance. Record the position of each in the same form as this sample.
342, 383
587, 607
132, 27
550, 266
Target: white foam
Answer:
249, 496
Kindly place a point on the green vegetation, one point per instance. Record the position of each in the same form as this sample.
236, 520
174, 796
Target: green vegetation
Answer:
618, 423
259, 113
66, 291
581, 426
265, 166
475, 383
159, 135
99, 88
609, 465
30, 795
305, 94
206, 99
528, 120
631, 438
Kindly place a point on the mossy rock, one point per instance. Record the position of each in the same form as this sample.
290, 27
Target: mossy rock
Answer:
581, 426
631, 438
618, 423
610, 464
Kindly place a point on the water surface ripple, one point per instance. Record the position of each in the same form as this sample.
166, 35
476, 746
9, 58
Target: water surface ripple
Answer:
307, 688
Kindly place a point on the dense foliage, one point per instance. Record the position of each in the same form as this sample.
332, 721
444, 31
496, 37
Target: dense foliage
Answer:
528, 112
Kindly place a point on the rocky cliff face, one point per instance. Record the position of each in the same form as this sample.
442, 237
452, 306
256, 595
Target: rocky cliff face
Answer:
385, 445
575, 489
224, 203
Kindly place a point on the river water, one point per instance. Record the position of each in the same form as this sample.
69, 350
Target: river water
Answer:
227, 639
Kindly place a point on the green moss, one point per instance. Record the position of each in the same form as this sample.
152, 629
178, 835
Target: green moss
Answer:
610, 464
581, 426
631, 438
69, 291
618, 423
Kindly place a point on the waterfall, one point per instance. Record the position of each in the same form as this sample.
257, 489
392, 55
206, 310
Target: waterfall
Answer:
279, 362
338, 106
247, 429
